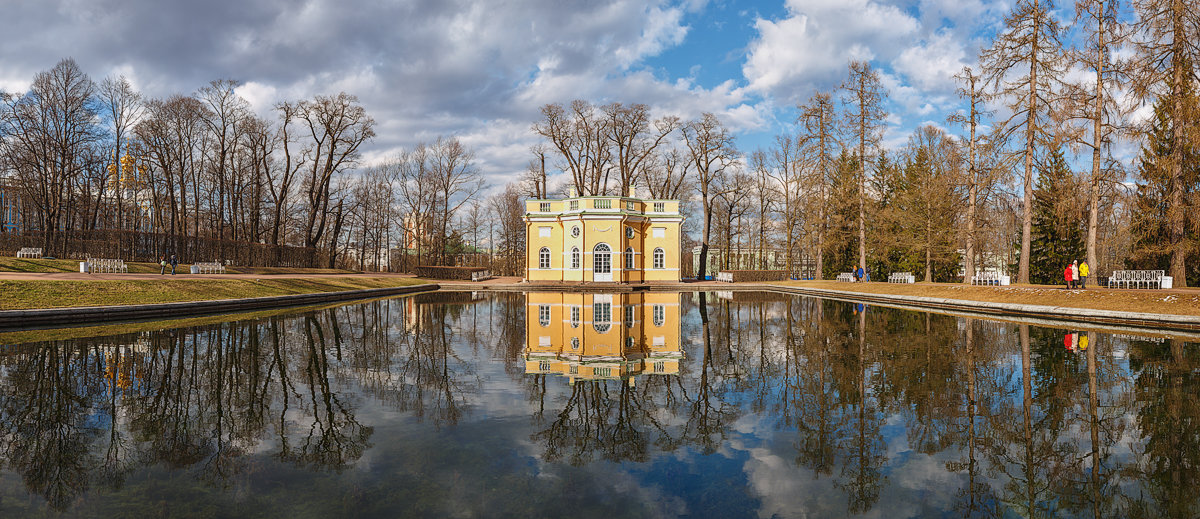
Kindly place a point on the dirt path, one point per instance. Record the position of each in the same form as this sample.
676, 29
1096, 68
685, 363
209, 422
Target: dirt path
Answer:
76, 276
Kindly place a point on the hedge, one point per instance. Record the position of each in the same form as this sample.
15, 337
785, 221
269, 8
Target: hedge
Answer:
431, 272
756, 275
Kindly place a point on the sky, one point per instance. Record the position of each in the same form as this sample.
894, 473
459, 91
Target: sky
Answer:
480, 70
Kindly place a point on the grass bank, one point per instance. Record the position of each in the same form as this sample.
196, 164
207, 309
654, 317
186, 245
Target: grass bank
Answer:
1174, 302
30, 294
10, 264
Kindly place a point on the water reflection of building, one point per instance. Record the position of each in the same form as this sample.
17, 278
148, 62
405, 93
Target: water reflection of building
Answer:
602, 336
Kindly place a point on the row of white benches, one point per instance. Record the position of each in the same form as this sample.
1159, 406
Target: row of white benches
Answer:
29, 252
106, 266
208, 268
846, 277
990, 278
901, 277
1140, 279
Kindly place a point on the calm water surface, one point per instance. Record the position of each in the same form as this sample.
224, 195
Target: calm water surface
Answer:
642, 405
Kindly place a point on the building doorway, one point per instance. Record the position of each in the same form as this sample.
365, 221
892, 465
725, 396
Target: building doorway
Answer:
602, 262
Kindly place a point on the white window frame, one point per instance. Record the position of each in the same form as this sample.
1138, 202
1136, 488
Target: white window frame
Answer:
575, 258
544, 315
660, 258
659, 315
629, 258
544, 258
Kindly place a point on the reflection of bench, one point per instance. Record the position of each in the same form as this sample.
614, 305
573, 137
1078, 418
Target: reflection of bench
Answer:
1140, 279
209, 268
30, 252
726, 277
990, 278
901, 277
846, 277
106, 265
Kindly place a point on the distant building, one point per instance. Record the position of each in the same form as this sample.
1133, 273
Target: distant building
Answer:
605, 239
10, 207
602, 336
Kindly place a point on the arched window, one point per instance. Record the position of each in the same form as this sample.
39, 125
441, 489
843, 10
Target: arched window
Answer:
575, 257
629, 258
660, 258
574, 343
602, 259
544, 258
602, 316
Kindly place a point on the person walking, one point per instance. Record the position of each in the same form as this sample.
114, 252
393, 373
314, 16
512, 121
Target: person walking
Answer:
1075, 274
858, 274
1083, 274
174, 263
1067, 276
162, 262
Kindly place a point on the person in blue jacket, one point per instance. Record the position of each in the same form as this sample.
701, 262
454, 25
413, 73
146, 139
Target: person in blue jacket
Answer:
858, 274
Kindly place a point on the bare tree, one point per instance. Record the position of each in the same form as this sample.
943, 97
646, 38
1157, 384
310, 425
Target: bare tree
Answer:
974, 178
48, 133
784, 169
818, 139
1096, 103
580, 136
864, 120
1167, 54
711, 150
457, 182
337, 126
123, 108
634, 138
664, 174
1023, 66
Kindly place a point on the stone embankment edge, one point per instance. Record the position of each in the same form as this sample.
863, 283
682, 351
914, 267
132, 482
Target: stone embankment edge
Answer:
1086, 315
11, 319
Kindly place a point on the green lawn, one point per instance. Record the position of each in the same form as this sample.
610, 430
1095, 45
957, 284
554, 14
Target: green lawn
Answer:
27, 294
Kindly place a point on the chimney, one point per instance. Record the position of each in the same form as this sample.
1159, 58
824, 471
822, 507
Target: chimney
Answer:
573, 193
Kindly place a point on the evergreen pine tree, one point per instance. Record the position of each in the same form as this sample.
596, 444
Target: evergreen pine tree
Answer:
1151, 233
1058, 234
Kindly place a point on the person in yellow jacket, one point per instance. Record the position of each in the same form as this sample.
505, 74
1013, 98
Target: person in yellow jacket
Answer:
1083, 274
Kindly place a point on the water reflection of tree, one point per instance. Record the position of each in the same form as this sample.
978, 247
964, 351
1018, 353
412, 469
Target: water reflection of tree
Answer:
204, 398
1168, 458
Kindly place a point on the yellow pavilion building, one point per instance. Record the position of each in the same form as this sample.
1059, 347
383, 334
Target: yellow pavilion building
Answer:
586, 336
603, 239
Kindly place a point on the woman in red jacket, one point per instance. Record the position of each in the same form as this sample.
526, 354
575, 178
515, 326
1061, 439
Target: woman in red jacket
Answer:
1067, 276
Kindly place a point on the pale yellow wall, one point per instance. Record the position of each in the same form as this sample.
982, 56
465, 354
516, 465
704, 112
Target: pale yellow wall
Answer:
602, 225
602, 350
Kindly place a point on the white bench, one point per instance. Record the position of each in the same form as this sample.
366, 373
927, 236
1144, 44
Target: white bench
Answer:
901, 277
846, 277
990, 279
481, 275
208, 268
30, 252
1140, 279
106, 265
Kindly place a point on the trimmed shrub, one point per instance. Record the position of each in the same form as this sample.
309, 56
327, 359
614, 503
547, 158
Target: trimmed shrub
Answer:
739, 276
456, 273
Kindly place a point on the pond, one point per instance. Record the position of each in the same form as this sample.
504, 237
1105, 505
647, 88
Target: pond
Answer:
658, 404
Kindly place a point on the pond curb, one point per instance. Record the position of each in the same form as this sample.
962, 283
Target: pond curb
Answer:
10, 319
1086, 315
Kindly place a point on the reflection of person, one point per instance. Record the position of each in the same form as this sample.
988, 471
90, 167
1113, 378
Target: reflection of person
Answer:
1067, 341
1083, 338
859, 308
